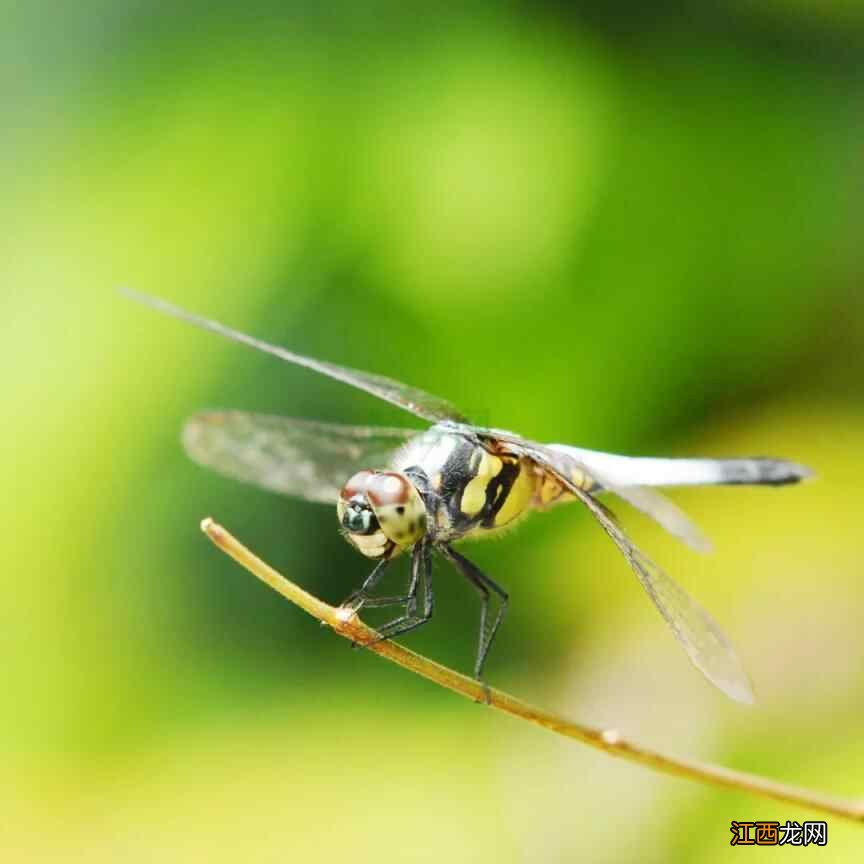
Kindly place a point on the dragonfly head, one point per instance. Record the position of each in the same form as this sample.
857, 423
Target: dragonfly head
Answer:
381, 512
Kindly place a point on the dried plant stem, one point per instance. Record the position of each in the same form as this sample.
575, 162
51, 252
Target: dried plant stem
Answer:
351, 627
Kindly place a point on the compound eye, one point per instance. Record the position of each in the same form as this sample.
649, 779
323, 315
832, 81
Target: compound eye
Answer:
398, 506
388, 489
356, 486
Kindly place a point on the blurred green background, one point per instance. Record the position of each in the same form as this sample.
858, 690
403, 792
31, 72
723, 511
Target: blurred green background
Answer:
630, 229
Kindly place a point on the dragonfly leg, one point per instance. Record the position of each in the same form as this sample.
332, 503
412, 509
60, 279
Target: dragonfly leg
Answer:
421, 574
360, 597
485, 588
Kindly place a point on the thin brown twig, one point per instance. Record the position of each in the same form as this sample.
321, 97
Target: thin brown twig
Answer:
347, 624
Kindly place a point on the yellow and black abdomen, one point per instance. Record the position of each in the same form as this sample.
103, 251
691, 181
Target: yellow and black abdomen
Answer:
475, 491
482, 492
500, 490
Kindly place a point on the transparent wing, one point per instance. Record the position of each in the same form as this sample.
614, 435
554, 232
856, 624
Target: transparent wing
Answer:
416, 401
705, 643
301, 458
649, 501
662, 510
703, 640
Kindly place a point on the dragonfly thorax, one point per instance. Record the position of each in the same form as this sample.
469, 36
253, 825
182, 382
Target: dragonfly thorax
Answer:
381, 513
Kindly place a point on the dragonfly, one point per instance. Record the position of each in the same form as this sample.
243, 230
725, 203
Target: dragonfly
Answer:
457, 481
